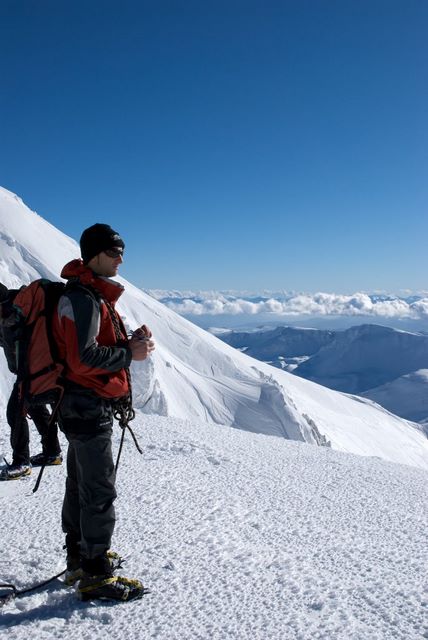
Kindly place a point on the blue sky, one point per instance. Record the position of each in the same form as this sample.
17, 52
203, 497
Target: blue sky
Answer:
244, 145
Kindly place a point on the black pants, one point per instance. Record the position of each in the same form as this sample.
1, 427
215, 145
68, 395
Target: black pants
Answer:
88, 516
20, 434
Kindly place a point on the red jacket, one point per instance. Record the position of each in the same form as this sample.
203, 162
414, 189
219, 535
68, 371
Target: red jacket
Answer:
84, 331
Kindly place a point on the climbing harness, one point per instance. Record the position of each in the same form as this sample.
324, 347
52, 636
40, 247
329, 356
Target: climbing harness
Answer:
123, 410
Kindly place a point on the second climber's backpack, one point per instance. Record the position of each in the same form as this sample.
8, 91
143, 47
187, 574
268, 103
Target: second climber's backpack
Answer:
38, 365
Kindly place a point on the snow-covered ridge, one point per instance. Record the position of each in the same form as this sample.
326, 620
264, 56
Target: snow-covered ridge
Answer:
194, 375
30, 246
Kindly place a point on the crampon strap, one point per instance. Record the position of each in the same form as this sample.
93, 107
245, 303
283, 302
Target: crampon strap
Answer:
11, 592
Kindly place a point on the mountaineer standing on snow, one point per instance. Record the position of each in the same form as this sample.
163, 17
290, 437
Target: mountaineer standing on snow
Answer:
92, 341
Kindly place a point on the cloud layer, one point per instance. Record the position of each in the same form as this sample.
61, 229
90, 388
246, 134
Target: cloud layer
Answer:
215, 303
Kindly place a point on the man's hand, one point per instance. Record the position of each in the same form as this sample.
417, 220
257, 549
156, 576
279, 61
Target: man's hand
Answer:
142, 332
140, 344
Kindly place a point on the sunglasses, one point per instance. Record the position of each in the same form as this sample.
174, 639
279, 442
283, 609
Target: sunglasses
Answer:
115, 252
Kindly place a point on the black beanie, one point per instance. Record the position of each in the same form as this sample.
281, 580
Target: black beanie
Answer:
98, 238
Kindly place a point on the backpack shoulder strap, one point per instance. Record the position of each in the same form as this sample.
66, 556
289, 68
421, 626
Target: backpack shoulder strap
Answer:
75, 285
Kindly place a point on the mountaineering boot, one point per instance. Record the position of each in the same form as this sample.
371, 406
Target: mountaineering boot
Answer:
107, 587
48, 461
15, 471
99, 583
74, 571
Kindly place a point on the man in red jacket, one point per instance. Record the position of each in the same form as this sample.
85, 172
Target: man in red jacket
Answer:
92, 341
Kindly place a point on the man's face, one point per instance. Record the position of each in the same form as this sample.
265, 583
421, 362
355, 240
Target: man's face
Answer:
106, 263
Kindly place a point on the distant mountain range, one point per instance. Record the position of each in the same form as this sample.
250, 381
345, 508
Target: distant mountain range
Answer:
389, 366
284, 347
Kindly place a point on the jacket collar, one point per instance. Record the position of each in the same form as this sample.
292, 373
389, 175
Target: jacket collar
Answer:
109, 289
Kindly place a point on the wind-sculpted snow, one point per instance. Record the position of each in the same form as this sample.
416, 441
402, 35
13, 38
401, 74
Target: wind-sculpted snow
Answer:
193, 375
239, 536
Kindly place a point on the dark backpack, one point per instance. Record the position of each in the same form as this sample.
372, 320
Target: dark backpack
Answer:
8, 326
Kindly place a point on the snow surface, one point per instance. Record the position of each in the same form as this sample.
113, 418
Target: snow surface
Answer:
193, 375
238, 536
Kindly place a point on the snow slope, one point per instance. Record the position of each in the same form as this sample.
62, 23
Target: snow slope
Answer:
193, 375
239, 536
